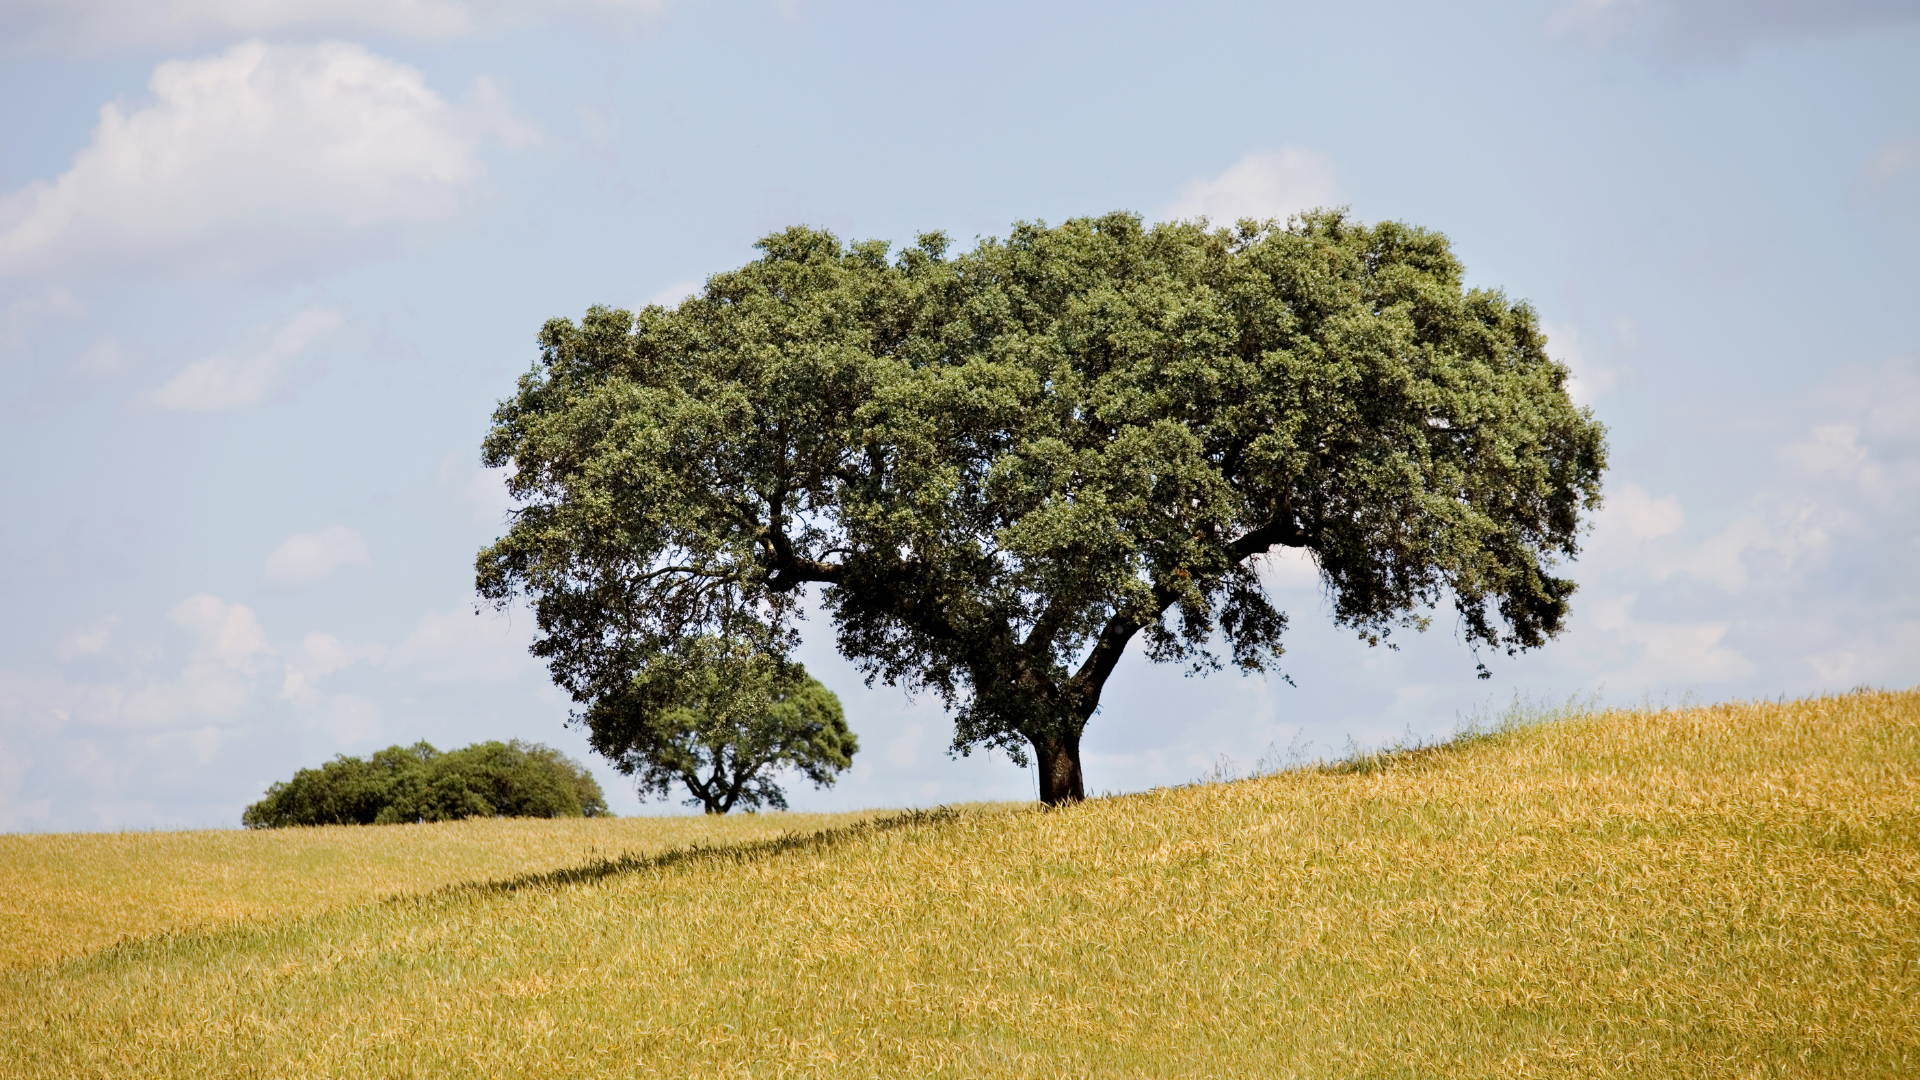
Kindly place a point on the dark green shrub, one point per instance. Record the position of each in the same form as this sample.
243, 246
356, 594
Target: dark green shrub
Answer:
418, 783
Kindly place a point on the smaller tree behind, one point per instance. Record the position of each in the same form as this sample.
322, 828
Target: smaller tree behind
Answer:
721, 716
404, 784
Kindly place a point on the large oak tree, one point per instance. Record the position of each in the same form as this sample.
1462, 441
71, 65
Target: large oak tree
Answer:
1002, 468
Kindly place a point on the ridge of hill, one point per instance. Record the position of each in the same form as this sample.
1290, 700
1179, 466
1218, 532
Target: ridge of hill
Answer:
65, 895
1732, 890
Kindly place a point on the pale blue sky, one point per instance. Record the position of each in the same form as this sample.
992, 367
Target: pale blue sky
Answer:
266, 265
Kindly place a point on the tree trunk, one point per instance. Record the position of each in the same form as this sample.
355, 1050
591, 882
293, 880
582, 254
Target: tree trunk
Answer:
1058, 760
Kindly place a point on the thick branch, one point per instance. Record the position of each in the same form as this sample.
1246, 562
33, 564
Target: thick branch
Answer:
1280, 532
690, 571
1040, 638
1107, 649
789, 570
1113, 639
691, 777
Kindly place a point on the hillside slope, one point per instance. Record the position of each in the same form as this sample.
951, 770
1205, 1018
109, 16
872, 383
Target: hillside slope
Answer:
1722, 891
64, 895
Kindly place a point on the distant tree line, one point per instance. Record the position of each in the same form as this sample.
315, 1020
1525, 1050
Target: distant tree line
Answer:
403, 784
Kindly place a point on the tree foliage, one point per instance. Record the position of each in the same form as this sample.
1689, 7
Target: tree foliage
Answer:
1001, 468
721, 717
404, 784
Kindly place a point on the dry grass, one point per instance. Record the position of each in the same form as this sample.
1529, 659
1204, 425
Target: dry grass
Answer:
68, 894
1732, 891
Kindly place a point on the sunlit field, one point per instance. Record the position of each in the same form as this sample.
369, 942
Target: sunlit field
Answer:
1727, 891
68, 894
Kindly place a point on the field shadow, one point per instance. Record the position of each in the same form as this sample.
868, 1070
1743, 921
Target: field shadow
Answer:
745, 851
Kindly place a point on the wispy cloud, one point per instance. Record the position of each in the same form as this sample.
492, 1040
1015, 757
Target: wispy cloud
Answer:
319, 655
1807, 575
1591, 379
462, 645
229, 649
1894, 157
1262, 185
305, 558
79, 739
233, 381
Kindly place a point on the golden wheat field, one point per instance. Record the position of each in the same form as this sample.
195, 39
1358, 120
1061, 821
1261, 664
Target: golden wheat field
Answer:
68, 894
1728, 891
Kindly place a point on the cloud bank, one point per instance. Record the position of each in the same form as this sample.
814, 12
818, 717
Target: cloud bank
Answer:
261, 158
125, 716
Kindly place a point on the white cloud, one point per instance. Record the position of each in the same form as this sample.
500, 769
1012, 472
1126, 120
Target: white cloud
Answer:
1667, 653
1776, 535
489, 113
1636, 530
1881, 403
1789, 531
1886, 654
1590, 380
91, 25
1262, 185
82, 739
231, 382
464, 646
35, 703
1634, 512
672, 295
202, 742
229, 659
304, 558
259, 158
223, 633
229, 646
320, 655
88, 640
1870, 461
1830, 448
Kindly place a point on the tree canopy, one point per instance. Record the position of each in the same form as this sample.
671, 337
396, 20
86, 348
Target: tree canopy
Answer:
404, 784
722, 716
1000, 468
